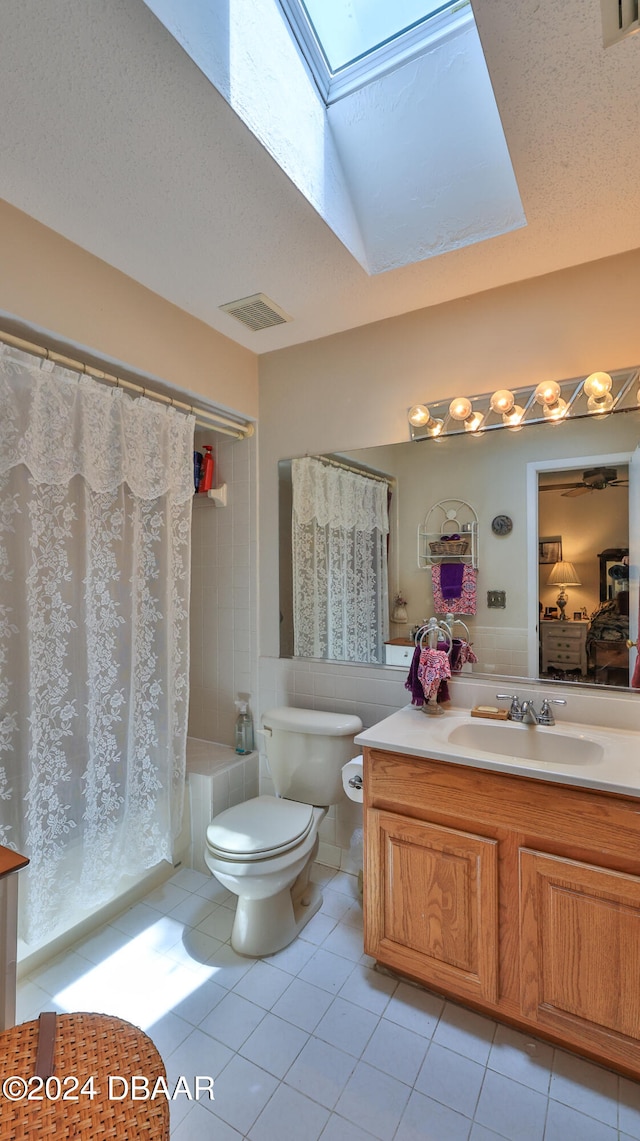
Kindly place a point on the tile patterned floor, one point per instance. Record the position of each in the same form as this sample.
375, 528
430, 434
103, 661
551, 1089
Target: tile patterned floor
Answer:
312, 1043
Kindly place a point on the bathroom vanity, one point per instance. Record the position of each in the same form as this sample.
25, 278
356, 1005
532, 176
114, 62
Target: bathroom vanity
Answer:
509, 882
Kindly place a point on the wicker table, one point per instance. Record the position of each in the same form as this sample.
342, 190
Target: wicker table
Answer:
86, 1045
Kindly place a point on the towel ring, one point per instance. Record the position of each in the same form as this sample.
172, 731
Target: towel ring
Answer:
433, 627
451, 621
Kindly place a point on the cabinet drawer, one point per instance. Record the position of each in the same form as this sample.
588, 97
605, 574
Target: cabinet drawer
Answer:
572, 633
568, 657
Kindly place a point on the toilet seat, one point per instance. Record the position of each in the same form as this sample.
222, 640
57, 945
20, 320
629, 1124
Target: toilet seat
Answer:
259, 828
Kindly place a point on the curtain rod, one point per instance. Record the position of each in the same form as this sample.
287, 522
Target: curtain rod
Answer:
330, 461
238, 429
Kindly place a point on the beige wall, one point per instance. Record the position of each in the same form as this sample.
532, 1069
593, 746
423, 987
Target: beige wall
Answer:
49, 282
353, 389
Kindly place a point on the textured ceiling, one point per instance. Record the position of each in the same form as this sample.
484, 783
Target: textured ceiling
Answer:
111, 136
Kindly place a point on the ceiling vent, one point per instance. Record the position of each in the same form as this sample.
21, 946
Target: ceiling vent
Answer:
619, 19
256, 312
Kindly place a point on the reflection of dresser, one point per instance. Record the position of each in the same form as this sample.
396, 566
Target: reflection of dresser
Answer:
563, 644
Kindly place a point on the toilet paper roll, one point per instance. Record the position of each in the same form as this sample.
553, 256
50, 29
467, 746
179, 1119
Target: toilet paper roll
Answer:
352, 772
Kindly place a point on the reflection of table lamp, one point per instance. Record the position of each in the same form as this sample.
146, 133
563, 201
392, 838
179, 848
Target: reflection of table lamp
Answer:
563, 574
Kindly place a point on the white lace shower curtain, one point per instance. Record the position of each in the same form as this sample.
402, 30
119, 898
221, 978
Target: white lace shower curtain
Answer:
95, 518
340, 523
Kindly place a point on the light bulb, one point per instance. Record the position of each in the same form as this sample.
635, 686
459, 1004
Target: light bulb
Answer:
513, 419
473, 422
435, 427
460, 408
547, 392
502, 401
602, 403
419, 415
598, 385
555, 411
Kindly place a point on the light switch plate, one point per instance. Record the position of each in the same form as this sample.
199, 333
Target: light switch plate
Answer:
497, 599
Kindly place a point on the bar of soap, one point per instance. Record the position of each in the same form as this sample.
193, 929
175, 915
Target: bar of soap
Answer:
487, 709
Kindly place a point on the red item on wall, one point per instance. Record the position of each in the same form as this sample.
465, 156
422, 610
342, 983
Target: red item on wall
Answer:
206, 471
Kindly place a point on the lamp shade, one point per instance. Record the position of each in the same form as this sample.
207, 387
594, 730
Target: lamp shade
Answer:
563, 574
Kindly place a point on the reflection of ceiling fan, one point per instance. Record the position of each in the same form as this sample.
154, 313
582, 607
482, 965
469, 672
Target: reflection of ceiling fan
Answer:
595, 479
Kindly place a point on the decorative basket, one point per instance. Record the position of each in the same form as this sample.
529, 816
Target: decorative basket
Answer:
85, 1046
449, 547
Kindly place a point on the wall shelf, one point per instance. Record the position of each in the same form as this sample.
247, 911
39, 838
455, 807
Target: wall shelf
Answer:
448, 517
216, 495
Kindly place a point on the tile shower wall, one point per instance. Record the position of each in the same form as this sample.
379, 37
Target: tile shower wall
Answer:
223, 594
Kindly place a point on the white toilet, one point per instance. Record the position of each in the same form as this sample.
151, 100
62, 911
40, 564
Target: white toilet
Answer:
262, 849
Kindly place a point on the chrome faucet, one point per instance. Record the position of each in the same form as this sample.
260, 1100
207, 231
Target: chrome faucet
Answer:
529, 715
525, 711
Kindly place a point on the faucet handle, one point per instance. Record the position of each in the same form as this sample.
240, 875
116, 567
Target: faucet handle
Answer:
546, 714
515, 712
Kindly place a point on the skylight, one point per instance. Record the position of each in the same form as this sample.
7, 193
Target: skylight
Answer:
401, 151
348, 31
347, 43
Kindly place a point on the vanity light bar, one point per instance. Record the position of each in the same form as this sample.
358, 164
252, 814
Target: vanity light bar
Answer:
599, 394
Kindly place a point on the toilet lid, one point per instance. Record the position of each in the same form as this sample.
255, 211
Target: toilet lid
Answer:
265, 825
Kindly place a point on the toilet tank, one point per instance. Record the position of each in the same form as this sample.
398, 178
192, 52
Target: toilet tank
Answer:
306, 749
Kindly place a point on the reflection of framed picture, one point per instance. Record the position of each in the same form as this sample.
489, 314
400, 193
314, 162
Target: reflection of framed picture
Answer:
550, 549
577, 616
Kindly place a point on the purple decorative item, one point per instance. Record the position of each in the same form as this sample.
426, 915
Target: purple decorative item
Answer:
413, 682
451, 580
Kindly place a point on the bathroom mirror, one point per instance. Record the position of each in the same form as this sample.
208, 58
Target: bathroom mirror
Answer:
491, 471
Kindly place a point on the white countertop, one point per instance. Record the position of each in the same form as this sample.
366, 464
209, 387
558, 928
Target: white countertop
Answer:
412, 732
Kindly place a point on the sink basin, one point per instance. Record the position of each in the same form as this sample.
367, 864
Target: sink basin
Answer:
527, 743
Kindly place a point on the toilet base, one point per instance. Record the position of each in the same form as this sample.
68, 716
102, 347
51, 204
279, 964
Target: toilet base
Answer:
264, 926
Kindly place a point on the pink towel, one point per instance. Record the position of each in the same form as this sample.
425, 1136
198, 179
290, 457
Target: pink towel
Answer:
466, 603
434, 667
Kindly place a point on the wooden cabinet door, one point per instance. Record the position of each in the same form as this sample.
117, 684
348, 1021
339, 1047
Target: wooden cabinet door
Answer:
431, 903
580, 951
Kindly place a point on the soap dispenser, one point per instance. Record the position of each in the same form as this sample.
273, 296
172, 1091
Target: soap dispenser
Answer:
244, 728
